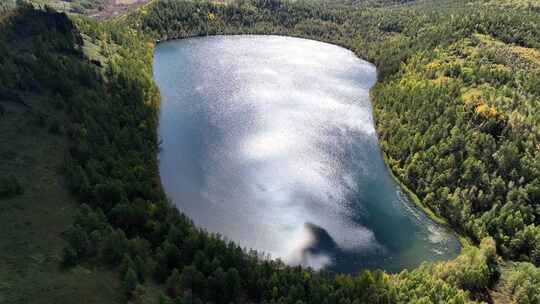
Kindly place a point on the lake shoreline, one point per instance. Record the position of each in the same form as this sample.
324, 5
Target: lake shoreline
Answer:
419, 204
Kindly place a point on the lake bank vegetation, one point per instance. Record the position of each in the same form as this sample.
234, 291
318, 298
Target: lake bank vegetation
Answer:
456, 109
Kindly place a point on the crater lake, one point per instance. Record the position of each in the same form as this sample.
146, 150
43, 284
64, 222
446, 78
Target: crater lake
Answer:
270, 142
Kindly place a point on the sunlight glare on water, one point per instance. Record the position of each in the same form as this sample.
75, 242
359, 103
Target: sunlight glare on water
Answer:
270, 141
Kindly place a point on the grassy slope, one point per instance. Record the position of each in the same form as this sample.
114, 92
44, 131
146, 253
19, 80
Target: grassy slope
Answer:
74, 6
32, 223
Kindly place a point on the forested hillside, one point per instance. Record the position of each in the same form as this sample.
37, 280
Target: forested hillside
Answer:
41, 71
456, 108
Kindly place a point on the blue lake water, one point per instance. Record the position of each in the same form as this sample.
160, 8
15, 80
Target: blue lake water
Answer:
270, 141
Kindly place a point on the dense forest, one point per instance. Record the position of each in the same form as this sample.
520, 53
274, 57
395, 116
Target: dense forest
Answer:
455, 106
455, 103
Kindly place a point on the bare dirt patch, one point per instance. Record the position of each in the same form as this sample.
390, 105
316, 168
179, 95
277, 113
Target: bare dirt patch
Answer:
117, 7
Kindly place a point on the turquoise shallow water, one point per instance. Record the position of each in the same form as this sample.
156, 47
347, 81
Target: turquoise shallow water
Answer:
270, 141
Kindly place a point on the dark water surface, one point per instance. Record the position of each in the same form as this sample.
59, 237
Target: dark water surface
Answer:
270, 141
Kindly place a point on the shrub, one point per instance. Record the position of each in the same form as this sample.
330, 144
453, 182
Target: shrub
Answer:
10, 187
55, 128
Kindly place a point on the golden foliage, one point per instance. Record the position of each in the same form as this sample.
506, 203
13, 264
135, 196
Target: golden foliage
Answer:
501, 68
531, 55
441, 80
485, 110
516, 3
434, 65
472, 96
